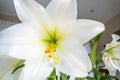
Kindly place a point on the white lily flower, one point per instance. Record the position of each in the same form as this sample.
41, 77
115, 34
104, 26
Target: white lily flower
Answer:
111, 56
49, 38
7, 66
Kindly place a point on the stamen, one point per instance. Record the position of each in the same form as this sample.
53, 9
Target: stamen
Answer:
51, 53
47, 51
56, 60
50, 56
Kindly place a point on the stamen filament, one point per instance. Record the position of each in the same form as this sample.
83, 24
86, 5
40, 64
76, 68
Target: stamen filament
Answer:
51, 53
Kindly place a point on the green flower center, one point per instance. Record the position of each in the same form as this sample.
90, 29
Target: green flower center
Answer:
51, 40
111, 54
52, 37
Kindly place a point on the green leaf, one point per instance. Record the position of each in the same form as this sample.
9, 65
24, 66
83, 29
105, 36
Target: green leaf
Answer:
93, 55
96, 74
90, 78
50, 79
99, 59
107, 77
93, 51
97, 38
64, 76
79, 79
52, 75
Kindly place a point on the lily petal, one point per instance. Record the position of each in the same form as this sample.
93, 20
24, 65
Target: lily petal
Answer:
74, 59
20, 41
115, 48
111, 55
88, 29
113, 71
82, 30
117, 54
115, 64
78, 51
63, 10
108, 65
9, 76
106, 62
37, 69
71, 65
7, 66
115, 37
30, 11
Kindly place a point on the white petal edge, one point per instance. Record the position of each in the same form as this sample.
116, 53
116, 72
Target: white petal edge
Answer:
8, 64
37, 69
15, 76
88, 29
113, 72
31, 11
115, 37
71, 65
108, 65
20, 41
27, 6
63, 10
77, 50
83, 30
117, 54
115, 64
74, 59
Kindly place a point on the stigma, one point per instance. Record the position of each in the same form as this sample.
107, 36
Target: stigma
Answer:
50, 51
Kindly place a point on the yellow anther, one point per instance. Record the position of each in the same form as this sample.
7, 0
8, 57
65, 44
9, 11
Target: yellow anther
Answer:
54, 50
51, 53
50, 56
53, 46
46, 51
